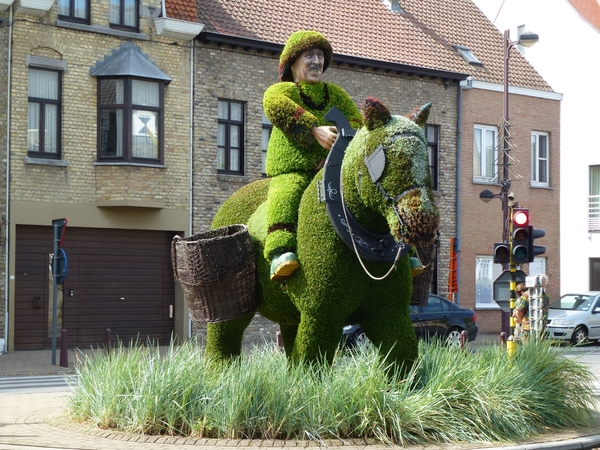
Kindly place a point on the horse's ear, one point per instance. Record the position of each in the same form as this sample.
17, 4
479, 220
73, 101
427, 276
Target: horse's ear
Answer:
375, 113
420, 114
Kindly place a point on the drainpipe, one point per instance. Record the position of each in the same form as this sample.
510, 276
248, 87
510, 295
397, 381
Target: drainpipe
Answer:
458, 181
191, 180
7, 221
191, 184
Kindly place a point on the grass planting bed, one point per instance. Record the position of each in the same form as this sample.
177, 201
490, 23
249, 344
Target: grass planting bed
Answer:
449, 396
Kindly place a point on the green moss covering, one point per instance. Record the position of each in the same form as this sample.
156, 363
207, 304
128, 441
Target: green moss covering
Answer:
291, 146
331, 289
293, 154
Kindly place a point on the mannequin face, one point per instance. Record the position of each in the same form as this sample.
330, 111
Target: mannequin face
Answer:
309, 66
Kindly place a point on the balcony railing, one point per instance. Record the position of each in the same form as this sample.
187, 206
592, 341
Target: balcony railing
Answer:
594, 213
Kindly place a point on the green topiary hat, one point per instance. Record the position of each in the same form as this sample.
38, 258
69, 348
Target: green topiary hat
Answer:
297, 43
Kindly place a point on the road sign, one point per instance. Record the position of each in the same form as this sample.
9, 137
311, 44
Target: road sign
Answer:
502, 287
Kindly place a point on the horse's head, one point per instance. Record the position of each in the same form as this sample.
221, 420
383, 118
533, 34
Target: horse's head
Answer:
393, 176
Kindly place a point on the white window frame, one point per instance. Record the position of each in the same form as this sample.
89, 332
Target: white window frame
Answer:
485, 274
539, 161
593, 212
483, 159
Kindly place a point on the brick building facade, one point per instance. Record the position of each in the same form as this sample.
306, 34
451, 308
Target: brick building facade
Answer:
128, 205
481, 223
109, 202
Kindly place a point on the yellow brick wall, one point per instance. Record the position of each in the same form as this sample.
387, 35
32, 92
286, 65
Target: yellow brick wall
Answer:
81, 181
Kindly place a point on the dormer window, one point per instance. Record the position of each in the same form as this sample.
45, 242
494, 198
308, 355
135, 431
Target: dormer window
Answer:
468, 55
393, 5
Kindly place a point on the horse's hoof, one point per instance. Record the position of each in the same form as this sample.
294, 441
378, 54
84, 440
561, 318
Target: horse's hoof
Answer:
283, 266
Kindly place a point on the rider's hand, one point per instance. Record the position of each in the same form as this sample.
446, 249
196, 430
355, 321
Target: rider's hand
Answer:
325, 135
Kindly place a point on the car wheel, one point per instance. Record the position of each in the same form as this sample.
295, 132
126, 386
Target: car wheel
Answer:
453, 337
579, 336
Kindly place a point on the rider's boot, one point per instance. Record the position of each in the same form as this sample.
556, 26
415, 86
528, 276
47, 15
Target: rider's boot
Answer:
282, 266
416, 265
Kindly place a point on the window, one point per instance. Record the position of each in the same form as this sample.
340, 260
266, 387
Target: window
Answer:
124, 14
594, 199
485, 274
539, 159
267, 127
74, 10
467, 55
44, 113
432, 136
130, 120
594, 274
485, 154
230, 115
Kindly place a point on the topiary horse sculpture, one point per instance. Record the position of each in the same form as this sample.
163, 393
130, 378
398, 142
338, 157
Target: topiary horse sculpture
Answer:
385, 188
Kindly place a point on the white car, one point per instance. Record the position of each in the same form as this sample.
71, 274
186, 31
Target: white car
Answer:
575, 317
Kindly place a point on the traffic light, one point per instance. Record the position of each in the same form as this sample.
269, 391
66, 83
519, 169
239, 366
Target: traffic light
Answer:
520, 236
535, 250
501, 252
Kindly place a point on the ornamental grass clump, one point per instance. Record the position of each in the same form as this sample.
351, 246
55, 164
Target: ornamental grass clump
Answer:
449, 395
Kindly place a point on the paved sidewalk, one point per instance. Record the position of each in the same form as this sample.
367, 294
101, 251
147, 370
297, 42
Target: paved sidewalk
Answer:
38, 420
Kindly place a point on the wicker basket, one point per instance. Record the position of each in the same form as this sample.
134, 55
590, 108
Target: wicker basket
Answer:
422, 288
217, 271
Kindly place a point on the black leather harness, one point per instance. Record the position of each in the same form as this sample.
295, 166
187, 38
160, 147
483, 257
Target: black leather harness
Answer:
371, 246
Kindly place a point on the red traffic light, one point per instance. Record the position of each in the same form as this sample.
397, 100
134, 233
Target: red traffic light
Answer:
520, 217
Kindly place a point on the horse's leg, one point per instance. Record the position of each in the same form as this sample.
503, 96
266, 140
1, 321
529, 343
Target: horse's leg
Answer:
385, 319
288, 335
224, 339
318, 334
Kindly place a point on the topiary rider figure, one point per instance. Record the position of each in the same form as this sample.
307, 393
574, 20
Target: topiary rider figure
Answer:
300, 140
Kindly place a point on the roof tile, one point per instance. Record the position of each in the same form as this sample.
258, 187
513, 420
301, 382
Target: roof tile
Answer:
424, 35
182, 10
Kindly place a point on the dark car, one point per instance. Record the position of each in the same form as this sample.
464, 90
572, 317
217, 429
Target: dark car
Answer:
440, 318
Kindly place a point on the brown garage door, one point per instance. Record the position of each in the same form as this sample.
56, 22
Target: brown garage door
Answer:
120, 280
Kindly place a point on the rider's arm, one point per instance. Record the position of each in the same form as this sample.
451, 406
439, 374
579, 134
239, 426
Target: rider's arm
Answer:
296, 122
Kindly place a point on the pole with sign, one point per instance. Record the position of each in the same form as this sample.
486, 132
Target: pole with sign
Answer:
59, 272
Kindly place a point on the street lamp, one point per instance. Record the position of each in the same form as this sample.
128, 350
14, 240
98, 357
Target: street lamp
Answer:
526, 39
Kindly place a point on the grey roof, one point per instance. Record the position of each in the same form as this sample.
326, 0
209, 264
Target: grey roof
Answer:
128, 61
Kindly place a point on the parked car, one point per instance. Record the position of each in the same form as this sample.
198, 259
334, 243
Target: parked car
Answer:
440, 318
575, 317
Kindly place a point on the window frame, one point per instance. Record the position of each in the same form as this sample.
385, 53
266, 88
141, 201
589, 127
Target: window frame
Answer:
433, 153
593, 210
71, 16
120, 25
536, 160
267, 127
484, 282
127, 131
228, 123
594, 273
493, 177
42, 102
